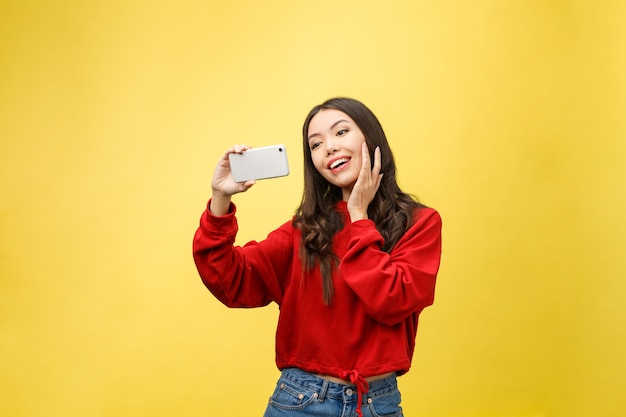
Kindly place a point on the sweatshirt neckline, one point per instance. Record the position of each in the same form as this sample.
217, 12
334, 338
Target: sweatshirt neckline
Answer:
342, 205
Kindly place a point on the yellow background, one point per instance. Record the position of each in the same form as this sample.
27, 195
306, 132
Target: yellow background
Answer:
509, 117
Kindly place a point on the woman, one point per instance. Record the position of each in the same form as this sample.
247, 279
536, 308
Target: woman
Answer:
351, 271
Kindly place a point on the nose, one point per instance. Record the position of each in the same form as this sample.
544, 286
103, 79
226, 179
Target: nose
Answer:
331, 147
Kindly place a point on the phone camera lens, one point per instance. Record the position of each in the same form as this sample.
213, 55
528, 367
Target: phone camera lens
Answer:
280, 149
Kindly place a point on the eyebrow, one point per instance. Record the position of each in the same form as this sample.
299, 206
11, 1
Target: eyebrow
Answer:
331, 128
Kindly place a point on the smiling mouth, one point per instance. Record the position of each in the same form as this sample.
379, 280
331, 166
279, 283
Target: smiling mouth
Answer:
338, 162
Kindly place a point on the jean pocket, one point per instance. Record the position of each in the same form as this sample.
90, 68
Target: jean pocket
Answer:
387, 405
291, 397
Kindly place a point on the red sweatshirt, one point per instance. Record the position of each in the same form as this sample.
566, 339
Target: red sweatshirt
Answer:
371, 325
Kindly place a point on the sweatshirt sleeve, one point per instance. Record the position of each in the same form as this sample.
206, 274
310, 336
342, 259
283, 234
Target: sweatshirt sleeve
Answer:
394, 285
251, 275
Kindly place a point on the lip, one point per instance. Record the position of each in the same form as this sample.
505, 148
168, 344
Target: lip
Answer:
328, 165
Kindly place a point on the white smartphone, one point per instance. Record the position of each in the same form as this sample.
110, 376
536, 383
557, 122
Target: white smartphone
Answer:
259, 163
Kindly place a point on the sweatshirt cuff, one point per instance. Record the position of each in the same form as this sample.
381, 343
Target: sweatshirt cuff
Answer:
220, 224
365, 231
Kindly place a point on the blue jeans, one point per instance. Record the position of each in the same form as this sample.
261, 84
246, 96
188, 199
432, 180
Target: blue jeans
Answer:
299, 394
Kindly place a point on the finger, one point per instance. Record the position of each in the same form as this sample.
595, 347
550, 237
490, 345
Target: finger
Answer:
377, 161
239, 148
246, 185
379, 180
365, 156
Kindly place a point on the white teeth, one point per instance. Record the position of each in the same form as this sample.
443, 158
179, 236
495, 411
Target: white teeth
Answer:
338, 162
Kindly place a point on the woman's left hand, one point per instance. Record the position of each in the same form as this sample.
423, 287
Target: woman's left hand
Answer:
366, 185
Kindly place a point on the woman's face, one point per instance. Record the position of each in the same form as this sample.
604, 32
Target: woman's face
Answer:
335, 142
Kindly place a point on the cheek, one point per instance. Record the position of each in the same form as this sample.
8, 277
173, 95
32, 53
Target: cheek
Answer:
316, 163
356, 160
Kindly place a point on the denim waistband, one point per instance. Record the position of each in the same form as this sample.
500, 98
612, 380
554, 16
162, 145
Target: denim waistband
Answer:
331, 389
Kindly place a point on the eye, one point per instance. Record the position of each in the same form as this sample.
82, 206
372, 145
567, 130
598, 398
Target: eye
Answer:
315, 145
342, 132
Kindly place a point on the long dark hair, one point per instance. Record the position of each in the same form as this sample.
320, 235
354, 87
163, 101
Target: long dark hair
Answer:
391, 209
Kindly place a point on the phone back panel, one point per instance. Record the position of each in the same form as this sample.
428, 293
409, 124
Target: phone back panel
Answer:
259, 163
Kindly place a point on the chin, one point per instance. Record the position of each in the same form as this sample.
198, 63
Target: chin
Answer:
347, 184
342, 182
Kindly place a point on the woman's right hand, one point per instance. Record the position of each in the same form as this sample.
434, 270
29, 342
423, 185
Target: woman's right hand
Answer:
223, 185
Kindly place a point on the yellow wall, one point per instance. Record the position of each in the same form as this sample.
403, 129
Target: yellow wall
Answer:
507, 116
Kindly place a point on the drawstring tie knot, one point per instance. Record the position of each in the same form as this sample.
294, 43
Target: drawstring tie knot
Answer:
362, 387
